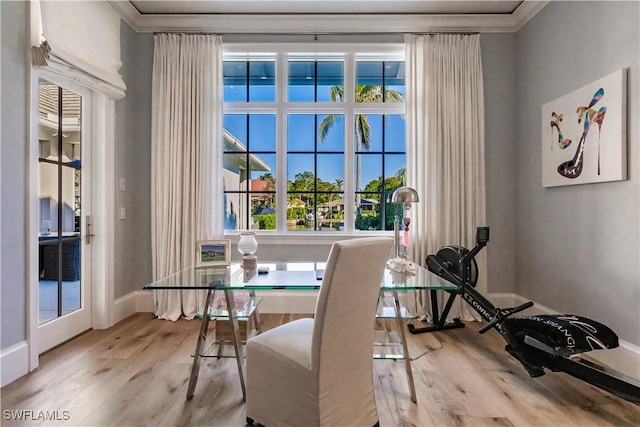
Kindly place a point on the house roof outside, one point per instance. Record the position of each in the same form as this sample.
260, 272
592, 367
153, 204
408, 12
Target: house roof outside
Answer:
238, 163
259, 185
340, 203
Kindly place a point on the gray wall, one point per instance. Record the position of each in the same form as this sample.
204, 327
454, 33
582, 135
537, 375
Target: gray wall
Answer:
14, 173
577, 247
499, 73
133, 163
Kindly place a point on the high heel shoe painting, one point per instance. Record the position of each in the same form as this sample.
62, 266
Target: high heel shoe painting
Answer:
597, 157
573, 168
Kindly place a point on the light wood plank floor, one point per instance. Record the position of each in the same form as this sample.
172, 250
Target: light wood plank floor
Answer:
136, 374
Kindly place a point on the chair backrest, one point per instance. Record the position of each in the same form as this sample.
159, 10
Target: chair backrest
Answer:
345, 311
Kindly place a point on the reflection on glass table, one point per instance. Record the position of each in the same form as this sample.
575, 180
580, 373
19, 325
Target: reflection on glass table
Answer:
289, 276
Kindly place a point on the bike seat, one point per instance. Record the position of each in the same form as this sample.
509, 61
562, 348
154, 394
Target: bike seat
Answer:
564, 331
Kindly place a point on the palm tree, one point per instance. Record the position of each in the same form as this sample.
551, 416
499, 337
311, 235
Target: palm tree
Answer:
339, 183
364, 94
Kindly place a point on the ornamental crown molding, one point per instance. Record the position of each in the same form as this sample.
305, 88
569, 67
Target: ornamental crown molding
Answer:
327, 23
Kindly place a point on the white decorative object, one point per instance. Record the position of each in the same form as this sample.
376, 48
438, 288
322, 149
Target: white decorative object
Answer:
584, 134
247, 246
45, 227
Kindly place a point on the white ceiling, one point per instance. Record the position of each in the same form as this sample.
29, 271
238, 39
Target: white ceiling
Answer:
324, 7
326, 16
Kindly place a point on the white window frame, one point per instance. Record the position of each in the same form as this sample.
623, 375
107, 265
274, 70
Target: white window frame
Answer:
281, 52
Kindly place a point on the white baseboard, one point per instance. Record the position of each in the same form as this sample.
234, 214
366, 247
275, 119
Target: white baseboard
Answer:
134, 302
624, 359
14, 362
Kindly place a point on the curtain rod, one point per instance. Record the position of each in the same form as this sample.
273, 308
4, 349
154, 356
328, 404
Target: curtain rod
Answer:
317, 34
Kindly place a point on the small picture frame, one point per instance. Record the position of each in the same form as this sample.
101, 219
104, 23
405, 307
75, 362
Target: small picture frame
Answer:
212, 253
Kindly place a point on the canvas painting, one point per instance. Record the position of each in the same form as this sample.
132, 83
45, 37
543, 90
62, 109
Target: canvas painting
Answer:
584, 134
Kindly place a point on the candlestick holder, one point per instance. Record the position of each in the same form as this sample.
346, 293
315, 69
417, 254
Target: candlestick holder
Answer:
247, 246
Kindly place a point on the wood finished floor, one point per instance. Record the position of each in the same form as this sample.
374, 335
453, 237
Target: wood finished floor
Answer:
136, 374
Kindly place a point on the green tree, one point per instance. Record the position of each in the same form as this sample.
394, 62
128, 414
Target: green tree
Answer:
268, 199
303, 181
301, 188
387, 187
266, 221
364, 94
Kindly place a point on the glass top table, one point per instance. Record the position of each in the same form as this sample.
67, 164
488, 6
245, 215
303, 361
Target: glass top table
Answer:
289, 276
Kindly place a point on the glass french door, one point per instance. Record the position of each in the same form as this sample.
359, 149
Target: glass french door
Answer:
63, 291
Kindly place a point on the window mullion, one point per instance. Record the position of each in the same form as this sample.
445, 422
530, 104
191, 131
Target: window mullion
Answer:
349, 156
247, 189
281, 143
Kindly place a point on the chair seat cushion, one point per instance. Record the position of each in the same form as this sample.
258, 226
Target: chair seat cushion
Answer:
291, 341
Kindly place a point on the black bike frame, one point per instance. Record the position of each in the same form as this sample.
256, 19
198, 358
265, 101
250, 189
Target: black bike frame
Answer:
479, 303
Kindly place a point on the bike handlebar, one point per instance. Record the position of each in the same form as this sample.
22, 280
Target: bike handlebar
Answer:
489, 325
503, 314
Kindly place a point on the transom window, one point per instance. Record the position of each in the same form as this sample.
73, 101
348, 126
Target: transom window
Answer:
313, 141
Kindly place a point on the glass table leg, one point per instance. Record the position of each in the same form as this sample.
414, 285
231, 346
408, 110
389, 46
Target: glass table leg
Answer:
255, 314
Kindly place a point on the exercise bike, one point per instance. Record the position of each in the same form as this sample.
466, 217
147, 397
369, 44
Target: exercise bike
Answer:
537, 342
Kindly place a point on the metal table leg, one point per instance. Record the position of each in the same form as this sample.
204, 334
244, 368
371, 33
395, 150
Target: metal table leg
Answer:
204, 326
235, 333
405, 350
255, 314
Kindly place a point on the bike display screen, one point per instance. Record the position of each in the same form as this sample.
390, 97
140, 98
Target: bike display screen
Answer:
482, 235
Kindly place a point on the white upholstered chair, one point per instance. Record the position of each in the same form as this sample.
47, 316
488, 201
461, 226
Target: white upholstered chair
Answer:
318, 372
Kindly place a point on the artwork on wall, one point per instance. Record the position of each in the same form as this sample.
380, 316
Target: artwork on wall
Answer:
584, 134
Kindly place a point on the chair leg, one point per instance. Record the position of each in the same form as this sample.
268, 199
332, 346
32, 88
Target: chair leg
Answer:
250, 421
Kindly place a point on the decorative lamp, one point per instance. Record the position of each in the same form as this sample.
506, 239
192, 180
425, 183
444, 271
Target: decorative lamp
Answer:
247, 246
400, 262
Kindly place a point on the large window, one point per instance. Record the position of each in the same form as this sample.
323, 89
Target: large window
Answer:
313, 142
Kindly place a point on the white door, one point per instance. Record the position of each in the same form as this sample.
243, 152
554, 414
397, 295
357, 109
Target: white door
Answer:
64, 211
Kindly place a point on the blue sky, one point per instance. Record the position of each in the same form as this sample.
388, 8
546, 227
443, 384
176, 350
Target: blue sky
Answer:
302, 128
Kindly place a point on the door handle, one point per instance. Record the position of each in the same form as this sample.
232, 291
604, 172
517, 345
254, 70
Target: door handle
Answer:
89, 231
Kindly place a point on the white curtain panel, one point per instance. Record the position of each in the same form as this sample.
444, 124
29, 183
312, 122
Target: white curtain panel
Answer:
186, 159
445, 146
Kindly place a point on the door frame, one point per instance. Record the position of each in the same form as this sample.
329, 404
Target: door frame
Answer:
102, 169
